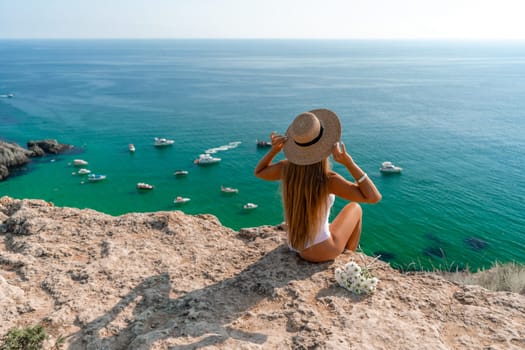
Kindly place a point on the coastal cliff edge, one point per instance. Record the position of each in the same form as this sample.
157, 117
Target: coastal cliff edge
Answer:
170, 280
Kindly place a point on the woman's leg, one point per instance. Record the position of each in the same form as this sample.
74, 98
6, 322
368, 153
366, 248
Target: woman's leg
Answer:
346, 227
345, 230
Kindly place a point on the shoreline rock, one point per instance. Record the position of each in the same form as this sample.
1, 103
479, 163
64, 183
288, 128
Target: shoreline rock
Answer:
48, 146
13, 155
169, 280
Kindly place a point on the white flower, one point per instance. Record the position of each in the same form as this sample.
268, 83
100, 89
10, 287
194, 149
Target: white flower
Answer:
352, 268
339, 276
356, 279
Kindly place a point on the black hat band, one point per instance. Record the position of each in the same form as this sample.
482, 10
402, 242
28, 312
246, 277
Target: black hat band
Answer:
314, 141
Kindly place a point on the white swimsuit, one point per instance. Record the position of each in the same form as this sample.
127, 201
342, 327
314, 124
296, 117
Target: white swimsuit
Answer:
324, 233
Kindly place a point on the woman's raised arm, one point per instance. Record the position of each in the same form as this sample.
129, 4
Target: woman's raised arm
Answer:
363, 190
265, 169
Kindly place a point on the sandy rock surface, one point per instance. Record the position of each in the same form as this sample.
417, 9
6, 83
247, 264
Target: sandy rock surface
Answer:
167, 280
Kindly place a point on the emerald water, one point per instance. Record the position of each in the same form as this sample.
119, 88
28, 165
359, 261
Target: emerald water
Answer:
451, 114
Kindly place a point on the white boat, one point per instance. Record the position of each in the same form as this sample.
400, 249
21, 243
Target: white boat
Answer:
84, 171
79, 162
131, 147
180, 173
144, 186
96, 177
180, 200
161, 141
206, 159
388, 167
229, 189
250, 206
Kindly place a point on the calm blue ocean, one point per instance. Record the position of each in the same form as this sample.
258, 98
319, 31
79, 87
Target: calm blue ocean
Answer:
452, 114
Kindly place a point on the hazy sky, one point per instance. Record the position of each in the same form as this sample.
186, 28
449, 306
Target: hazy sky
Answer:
452, 19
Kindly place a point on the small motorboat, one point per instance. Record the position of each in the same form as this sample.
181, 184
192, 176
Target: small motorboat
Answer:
96, 177
181, 200
388, 167
131, 147
263, 144
84, 171
205, 159
144, 186
229, 189
180, 173
250, 206
161, 141
79, 162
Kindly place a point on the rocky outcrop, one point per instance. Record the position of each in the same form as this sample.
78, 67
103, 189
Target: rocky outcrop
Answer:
49, 146
13, 156
4, 172
167, 280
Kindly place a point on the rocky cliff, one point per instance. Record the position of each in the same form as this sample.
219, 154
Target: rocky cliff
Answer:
13, 156
167, 280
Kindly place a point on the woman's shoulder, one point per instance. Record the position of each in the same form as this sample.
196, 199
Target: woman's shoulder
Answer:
282, 163
336, 182
332, 176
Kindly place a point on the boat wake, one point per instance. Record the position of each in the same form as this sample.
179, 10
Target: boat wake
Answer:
227, 147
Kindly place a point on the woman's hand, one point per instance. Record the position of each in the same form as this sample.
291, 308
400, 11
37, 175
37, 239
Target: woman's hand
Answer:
339, 154
277, 141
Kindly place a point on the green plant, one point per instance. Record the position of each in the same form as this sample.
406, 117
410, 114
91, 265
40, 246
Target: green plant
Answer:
28, 338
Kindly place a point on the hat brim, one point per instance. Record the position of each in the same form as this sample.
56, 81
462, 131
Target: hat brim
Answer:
305, 155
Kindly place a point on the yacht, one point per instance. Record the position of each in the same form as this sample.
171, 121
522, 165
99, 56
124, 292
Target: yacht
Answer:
161, 141
180, 200
84, 171
229, 189
96, 177
144, 186
263, 144
206, 159
79, 162
388, 167
180, 173
250, 206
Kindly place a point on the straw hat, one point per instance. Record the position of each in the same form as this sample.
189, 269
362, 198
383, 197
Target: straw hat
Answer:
311, 136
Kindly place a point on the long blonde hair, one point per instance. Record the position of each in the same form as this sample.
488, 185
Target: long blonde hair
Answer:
305, 200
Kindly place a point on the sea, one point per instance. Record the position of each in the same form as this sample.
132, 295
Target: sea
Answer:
450, 113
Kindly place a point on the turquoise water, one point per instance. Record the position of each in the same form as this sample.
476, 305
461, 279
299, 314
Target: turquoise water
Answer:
452, 114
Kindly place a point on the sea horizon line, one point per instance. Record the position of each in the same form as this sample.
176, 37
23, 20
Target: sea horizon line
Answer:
491, 40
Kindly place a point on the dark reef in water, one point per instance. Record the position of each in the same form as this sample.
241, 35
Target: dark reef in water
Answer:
384, 255
476, 244
435, 252
432, 237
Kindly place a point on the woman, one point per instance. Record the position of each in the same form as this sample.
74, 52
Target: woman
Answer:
309, 186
